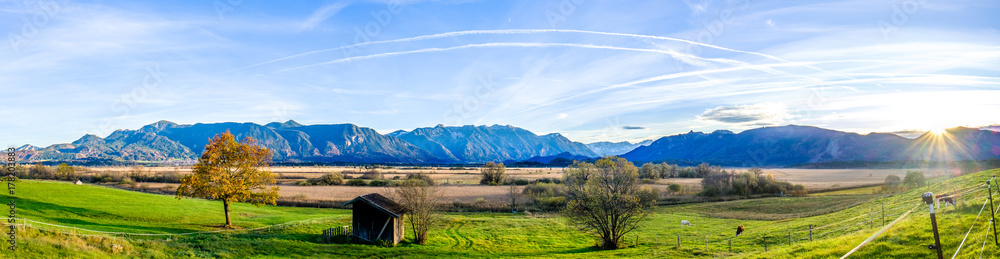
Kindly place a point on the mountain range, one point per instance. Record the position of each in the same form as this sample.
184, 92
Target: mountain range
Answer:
794, 145
290, 141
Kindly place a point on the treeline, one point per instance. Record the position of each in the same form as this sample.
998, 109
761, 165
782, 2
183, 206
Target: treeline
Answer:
913, 179
664, 170
374, 177
719, 182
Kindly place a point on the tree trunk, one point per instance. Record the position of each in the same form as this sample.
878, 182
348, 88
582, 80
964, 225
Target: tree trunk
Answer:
225, 204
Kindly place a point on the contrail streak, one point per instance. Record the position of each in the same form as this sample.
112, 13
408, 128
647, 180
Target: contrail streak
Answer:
529, 31
674, 54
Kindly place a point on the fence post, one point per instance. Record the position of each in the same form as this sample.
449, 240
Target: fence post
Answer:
789, 236
882, 202
678, 240
929, 199
871, 217
992, 218
765, 243
706, 242
730, 245
810, 232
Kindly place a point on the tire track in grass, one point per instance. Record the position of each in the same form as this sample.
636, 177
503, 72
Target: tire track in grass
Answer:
468, 242
452, 233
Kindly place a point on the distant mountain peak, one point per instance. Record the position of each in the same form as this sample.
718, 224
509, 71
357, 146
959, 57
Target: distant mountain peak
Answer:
89, 138
607, 148
165, 122
28, 147
287, 124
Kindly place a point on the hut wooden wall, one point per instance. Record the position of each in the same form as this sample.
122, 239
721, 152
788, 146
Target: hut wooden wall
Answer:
368, 222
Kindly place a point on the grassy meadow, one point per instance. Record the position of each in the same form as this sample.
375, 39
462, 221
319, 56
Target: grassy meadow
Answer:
839, 222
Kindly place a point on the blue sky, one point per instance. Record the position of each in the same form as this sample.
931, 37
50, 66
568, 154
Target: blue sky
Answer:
591, 70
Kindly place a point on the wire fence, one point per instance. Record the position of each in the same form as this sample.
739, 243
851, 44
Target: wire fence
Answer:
880, 218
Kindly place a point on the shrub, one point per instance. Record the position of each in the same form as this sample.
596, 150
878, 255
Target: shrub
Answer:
550, 203
544, 189
304, 183
372, 174
675, 188
521, 181
892, 183
356, 182
332, 178
914, 179
546, 196
420, 176
799, 191
127, 182
378, 183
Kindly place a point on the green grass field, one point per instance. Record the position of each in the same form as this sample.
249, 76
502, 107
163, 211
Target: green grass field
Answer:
839, 223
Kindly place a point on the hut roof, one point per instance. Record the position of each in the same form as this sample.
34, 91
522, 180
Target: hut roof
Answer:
381, 202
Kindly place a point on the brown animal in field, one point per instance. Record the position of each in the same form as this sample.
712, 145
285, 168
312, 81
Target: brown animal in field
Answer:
948, 200
739, 230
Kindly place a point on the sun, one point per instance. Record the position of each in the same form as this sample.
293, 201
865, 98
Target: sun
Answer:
938, 132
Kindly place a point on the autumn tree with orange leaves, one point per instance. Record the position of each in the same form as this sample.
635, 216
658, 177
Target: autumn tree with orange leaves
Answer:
231, 171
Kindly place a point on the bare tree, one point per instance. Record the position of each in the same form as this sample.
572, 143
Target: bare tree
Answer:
420, 200
492, 173
605, 198
513, 194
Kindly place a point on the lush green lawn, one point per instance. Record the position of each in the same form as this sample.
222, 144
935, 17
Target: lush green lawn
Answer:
775, 208
108, 209
839, 222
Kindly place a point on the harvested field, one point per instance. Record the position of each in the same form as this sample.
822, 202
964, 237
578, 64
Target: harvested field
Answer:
816, 179
462, 185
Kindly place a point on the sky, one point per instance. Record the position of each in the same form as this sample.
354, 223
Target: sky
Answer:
590, 70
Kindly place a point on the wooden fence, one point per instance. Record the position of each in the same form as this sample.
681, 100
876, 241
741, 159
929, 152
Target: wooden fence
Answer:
336, 233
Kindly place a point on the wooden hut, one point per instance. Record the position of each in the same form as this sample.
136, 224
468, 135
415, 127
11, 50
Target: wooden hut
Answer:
376, 217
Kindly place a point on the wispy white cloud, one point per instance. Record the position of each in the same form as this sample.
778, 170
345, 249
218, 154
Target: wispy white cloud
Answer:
754, 114
321, 15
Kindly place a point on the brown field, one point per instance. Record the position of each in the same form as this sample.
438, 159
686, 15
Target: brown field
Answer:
461, 185
817, 179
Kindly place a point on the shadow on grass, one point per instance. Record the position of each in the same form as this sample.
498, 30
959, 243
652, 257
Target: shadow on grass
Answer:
96, 216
